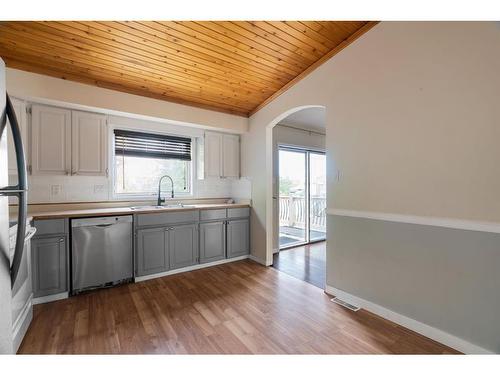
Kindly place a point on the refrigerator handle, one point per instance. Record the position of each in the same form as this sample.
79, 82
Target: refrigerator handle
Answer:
19, 190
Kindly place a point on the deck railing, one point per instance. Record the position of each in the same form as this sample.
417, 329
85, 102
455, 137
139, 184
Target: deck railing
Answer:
292, 212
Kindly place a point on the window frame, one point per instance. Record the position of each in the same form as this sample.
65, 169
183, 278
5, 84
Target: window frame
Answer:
153, 195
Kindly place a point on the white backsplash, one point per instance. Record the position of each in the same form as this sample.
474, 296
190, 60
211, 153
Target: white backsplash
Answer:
59, 189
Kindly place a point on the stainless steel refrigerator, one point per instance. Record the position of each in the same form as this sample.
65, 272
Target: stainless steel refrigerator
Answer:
15, 278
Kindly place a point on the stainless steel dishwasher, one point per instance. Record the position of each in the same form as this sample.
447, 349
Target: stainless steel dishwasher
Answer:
101, 252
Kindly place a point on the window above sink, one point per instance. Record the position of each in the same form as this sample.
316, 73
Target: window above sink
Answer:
140, 159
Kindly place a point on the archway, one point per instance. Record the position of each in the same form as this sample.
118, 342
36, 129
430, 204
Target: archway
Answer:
270, 228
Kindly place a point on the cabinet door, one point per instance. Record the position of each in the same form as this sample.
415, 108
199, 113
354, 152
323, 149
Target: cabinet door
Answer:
20, 110
88, 151
152, 251
213, 154
230, 155
183, 241
238, 238
49, 263
212, 241
50, 140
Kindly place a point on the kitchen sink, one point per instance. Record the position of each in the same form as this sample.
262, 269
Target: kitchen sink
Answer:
150, 207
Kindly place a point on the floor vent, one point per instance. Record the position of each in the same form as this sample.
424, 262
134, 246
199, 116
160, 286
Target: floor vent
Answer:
338, 301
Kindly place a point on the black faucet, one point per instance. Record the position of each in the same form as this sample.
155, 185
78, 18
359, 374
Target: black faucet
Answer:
160, 199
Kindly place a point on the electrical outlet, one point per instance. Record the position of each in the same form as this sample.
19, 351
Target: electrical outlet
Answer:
55, 190
98, 189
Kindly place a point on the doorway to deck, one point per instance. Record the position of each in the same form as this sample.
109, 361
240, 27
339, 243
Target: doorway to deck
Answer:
302, 196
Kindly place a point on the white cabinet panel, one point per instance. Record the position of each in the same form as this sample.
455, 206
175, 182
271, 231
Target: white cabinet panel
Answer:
20, 110
213, 154
221, 155
50, 140
88, 152
230, 155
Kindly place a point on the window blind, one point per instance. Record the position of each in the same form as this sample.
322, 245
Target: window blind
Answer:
131, 143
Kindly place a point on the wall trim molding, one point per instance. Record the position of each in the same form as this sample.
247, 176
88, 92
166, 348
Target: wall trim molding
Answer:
419, 327
479, 226
138, 279
260, 261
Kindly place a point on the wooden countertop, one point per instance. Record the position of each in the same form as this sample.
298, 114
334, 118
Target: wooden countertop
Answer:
115, 211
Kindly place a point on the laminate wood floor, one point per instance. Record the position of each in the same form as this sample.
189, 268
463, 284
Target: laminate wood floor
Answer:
240, 307
306, 263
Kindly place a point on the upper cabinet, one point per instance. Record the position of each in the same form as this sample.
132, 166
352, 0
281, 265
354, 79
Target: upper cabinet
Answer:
231, 155
20, 110
88, 146
213, 154
50, 140
220, 155
65, 142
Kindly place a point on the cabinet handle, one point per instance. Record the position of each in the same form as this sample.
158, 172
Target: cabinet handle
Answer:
171, 228
61, 239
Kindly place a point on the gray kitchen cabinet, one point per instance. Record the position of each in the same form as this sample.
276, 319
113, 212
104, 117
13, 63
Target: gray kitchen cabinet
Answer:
238, 242
212, 241
183, 241
49, 264
152, 252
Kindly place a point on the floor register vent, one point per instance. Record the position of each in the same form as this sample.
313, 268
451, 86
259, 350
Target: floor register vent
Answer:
338, 301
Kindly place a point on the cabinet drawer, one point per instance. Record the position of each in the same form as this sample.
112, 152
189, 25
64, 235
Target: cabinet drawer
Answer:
238, 212
213, 214
50, 226
167, 218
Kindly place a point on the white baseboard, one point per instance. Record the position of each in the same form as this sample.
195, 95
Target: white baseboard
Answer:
419, 327
22, 323
258, 260
190, 268
52, 297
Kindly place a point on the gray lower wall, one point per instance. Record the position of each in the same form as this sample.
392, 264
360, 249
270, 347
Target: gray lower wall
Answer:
445, 278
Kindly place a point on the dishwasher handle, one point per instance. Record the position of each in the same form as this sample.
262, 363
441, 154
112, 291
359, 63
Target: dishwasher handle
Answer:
102, 222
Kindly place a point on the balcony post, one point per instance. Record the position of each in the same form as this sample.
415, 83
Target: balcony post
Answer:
291, 211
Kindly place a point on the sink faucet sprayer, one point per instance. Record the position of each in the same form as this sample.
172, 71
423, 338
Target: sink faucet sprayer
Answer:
160, 199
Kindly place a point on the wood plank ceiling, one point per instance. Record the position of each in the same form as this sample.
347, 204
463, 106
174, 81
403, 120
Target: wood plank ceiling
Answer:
233, 67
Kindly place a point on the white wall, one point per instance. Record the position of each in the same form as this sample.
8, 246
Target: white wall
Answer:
290, 137
413, 126
412, 122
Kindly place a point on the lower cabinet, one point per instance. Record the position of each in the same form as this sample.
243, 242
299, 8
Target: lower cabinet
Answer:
152, 255
49, 260
238, 241
183, 243
212, 241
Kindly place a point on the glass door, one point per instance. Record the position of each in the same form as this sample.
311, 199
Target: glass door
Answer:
293, 210
317, 196
302, 197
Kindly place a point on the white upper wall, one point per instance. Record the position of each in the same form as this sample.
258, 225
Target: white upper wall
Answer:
36, 86
412, 123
